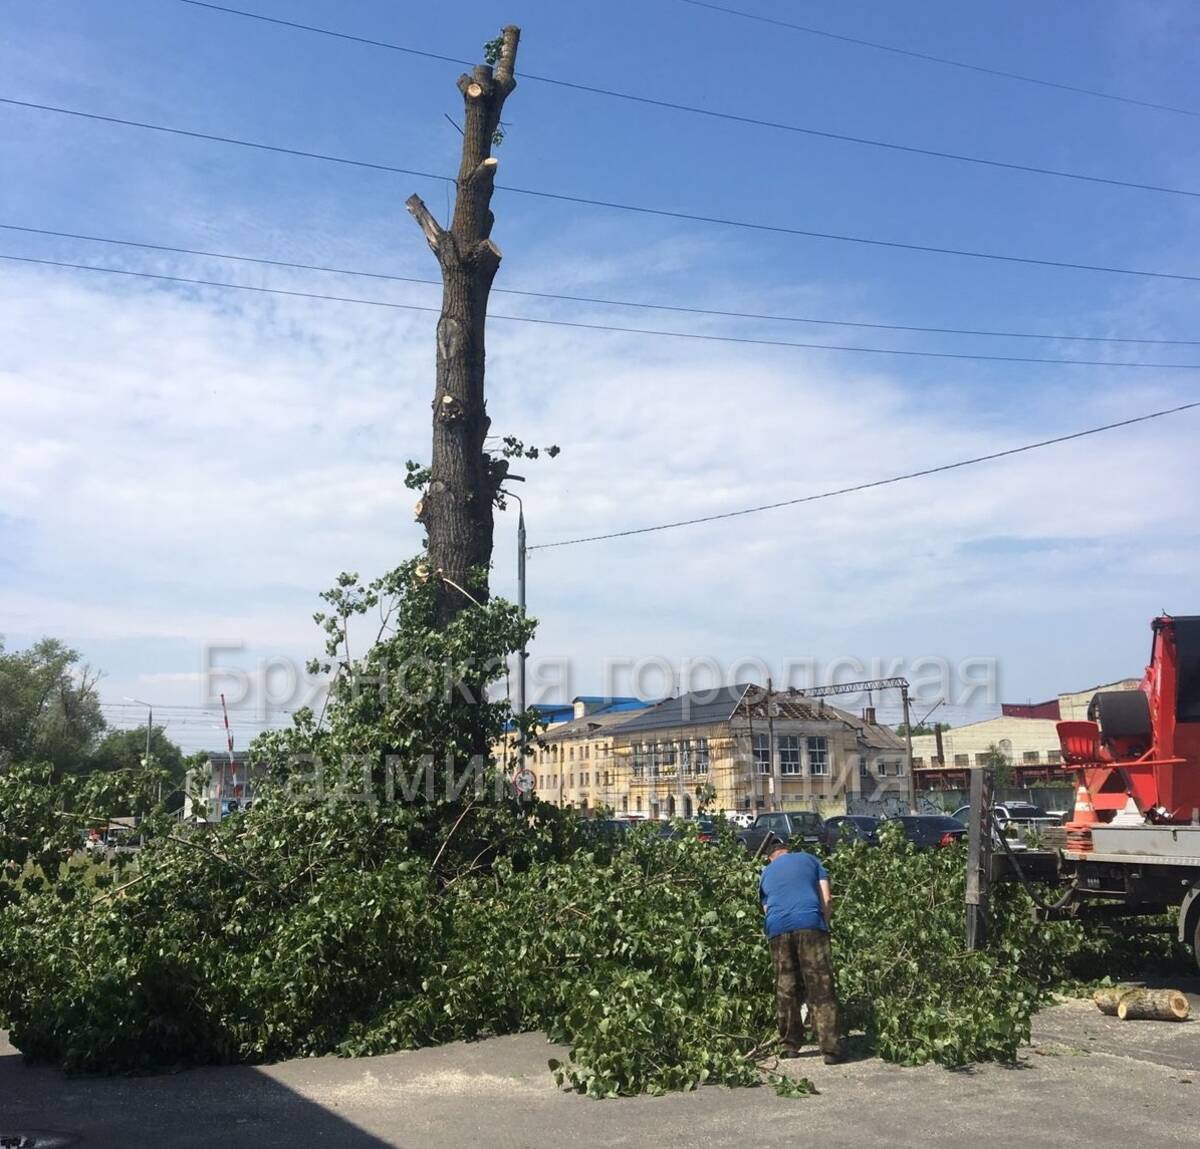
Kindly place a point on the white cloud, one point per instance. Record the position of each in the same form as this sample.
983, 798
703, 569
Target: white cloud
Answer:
198, 465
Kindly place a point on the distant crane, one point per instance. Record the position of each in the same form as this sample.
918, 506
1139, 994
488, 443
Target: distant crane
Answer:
867, 687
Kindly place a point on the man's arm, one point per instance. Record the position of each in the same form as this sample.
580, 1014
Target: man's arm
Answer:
826, 900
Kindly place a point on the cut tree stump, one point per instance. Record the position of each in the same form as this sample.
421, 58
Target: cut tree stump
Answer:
1153, 1005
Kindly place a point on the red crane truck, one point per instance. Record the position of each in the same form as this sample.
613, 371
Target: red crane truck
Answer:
1132, 846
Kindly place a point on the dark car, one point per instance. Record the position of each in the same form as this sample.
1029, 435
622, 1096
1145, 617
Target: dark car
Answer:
785, 825
931, 830
850, 828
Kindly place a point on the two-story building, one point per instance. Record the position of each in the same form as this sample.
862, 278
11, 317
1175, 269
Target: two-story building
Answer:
743, 749
573, 762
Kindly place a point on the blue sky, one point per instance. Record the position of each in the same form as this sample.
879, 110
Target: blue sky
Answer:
190, 466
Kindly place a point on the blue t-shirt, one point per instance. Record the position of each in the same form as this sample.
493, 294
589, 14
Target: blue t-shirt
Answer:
791, 894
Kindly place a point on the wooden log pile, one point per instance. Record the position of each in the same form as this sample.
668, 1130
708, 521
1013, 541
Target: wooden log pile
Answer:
1134, 1003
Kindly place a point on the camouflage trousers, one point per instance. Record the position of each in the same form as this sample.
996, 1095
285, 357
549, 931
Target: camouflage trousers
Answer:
804, 972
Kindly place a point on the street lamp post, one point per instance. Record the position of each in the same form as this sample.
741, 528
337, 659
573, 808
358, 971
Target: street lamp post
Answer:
522, 655
149, 732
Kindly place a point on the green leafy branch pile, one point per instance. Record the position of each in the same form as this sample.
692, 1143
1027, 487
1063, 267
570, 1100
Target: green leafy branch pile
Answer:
328, 919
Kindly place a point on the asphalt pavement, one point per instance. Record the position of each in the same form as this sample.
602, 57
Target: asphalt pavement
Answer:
1085, 1078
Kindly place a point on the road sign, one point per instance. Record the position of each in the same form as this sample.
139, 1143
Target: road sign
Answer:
524, 781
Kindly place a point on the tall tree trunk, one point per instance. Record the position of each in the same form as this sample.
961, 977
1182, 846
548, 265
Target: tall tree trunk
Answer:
456, 509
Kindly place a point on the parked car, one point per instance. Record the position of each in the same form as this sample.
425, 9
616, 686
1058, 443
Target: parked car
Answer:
1013, 819
850, 828
787, 825
701, 827
743, 819
931, 830
1009, 831
1024, 815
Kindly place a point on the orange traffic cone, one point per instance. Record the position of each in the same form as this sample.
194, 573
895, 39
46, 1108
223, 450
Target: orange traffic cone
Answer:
1085, 813
1079, 828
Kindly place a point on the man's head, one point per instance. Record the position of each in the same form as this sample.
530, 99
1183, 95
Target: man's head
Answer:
774, 847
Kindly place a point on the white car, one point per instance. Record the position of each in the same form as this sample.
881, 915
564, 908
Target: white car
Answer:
1002, 824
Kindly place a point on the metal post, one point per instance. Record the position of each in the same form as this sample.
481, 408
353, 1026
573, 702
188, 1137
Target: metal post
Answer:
753, 787
908, 761
149, 733
979, 858
521, 655
776, 778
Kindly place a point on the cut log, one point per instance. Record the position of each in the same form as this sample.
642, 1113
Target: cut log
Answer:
1108, 998
1153, 1005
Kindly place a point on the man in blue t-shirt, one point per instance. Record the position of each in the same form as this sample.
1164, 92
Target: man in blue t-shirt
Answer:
796, 900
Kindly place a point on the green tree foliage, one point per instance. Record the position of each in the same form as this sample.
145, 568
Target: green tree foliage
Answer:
126, 750
1000, 764
49, 708
374, 899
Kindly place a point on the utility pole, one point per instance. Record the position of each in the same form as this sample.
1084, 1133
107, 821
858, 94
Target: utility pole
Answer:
522, 655
776, 779
753, 762
149, 734
908, 761
456, 507
979, 858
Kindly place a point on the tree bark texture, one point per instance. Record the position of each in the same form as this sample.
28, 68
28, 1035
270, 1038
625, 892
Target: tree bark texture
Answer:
1131, 1003
1153, 1005
456, 509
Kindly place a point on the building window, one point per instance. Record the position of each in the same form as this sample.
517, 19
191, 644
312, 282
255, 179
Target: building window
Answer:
571, 783
962, 760
863, 769
701, 763
881, 768
571, 753
1054, 757
789, 754
624, 803
918, 762
818, 756
1031, 757
762, 753
898, 769
981, 759
639, 804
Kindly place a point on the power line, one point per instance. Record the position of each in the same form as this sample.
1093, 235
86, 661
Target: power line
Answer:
871, 485
932, 59
640, 209
210, 709
713, 114
659, 212
606, 327
605, 302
